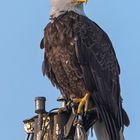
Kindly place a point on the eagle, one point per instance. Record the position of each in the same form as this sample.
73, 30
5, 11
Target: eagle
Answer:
80, 61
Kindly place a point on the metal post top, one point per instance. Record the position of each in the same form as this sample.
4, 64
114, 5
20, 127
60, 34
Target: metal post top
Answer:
40, 105
40, 98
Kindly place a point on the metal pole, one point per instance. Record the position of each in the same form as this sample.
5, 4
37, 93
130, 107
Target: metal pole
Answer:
40, 110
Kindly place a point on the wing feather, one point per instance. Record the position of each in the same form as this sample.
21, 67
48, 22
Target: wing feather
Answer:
98, 61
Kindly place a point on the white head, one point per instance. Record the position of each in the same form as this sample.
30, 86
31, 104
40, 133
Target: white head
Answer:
61, 6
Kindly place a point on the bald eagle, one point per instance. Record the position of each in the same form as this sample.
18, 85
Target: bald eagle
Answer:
80, 61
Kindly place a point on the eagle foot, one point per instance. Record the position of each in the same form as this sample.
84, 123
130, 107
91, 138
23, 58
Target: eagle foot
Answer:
82, 103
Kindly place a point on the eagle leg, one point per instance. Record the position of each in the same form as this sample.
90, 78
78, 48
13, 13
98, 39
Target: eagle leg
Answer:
83, 102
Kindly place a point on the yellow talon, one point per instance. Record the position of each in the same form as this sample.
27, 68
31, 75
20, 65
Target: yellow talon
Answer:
83, 102
76, 100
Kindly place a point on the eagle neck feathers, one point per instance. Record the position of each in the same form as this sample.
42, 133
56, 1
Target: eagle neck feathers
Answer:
65, 6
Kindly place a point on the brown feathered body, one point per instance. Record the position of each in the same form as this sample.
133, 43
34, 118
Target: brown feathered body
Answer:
79, 58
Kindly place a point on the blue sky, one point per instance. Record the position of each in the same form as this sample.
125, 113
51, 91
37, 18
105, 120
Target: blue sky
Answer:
21, 80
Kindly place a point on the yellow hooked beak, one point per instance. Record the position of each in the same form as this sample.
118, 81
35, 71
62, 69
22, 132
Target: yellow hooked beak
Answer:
82, 1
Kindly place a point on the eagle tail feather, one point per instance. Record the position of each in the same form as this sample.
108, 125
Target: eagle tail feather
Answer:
101, 132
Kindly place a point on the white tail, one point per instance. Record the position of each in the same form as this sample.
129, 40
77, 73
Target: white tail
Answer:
101, 132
